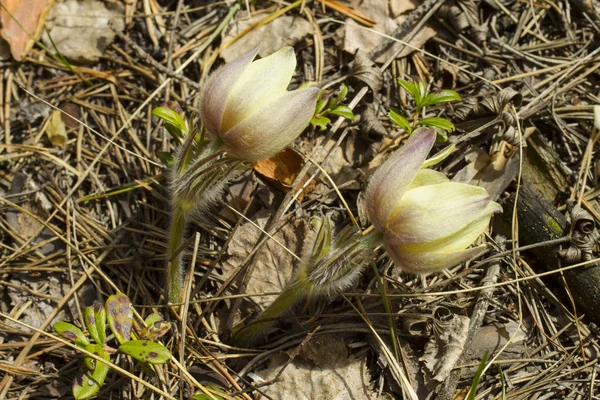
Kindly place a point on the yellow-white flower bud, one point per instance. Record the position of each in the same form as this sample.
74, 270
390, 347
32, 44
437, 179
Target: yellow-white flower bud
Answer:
427, 221
247, 105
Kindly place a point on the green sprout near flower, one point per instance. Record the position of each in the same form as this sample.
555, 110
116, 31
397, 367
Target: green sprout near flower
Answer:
248, 114
118, 314
328, 105
408, 206
422, 99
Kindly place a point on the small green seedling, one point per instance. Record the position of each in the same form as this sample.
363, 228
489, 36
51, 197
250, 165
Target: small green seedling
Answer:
328, 105
173, 117
172, 114
117, 313
418, 91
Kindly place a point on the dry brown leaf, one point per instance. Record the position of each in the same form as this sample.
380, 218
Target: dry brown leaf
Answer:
326, 373
358, 38
56, 129
477, 159
31, 15
70, 114
445, 347
82, 30
282, 169
491, 338
274, 265
283, 31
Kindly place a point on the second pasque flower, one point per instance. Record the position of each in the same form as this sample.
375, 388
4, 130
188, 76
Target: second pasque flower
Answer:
427, 221
246, 104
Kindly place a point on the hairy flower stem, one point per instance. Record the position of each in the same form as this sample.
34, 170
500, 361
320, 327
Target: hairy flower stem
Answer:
196, 180
341, 264
174, 267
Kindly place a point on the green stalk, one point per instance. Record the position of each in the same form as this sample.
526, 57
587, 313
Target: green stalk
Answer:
245, 334
372, 239
174, 268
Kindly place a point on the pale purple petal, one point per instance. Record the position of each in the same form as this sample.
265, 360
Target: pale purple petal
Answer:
216, 91
467, 235
423, 263
433, 212
264, 80
427, 177
390, 181
271, 129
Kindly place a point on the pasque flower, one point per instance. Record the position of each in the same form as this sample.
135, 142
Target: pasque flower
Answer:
246, 108
427, 222
246, 104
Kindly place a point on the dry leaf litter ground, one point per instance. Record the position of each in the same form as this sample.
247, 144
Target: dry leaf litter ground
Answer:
84, 207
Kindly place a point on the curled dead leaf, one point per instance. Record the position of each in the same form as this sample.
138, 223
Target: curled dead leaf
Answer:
282, 169
22, 22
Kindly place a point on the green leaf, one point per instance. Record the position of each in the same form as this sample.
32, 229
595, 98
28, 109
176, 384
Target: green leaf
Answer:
156, 327
85, 386
146, 351
436, 122
90, 323
398, 119
422, 93
204, 396
100, 316
166, 157
120, 316
439, 156
71, 332
441, 136
152, 318
477, 377
96, 349
156, 330
342, 94
321, 104
502, 381
412, 88
174, 123
343, 111
88, 384
95, 321
321, 122
445, 96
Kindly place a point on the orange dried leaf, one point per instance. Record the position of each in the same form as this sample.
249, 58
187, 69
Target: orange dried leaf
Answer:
282, 169
26, 23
